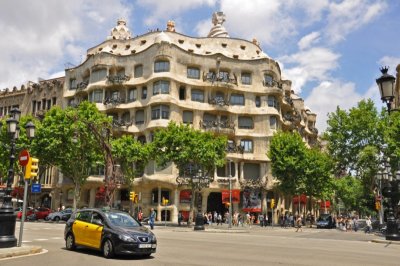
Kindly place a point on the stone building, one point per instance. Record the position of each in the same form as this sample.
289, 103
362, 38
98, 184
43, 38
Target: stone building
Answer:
216, 83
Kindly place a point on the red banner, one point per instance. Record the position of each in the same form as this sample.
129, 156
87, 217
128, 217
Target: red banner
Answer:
235, 196
325, 204
303, 199
185, 196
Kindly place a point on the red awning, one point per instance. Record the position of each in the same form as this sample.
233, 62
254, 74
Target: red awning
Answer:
303, 199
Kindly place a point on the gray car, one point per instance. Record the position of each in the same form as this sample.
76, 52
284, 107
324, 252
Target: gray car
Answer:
63, 215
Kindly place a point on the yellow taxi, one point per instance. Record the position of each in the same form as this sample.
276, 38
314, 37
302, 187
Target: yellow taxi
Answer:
112, 232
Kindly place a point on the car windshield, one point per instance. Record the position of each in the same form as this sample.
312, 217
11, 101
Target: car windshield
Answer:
324, 218
121, 219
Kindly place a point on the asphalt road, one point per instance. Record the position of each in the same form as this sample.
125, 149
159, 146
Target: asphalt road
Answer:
254, 246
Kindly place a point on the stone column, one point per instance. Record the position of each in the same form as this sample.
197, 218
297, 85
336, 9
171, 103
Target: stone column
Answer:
175, 206
204, 199
92, 199
241, 172
159, 205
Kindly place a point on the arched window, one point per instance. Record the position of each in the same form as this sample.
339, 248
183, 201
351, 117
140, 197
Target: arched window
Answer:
161, 66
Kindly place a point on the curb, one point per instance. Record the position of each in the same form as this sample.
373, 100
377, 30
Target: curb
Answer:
19, 251
389, 242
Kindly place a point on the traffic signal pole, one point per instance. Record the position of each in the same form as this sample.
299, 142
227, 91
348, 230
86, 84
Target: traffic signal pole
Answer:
21, 229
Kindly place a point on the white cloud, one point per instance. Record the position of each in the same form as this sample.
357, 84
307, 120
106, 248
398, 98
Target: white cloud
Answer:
267, 21
308, 40
314, 64
161, 11
37, 38
349, 15
391, 62
327, 96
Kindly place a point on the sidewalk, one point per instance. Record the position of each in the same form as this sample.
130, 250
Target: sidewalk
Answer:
19, 251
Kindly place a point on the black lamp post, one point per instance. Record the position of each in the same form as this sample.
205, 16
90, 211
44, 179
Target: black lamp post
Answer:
392, 190
7, 216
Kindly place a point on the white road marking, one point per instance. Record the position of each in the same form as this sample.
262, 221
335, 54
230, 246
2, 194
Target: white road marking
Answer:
41, 239
26, 241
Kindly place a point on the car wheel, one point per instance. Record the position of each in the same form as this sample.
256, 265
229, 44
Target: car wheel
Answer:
108, 249
70, 242
57, 219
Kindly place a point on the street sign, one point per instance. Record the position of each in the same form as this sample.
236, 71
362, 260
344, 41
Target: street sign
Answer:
23, 158
36, 188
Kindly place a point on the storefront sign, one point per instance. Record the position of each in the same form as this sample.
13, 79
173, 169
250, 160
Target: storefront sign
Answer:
235, 196
251, 200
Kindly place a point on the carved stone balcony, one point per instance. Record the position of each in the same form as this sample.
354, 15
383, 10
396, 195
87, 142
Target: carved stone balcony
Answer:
118, 79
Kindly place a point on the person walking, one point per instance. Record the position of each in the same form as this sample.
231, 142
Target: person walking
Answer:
180, 218
369, 225
265, 219
152, 218
299, 224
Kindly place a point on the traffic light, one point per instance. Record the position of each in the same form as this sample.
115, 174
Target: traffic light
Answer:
132, 196
165, 201
377, 205
272, 203
32, 168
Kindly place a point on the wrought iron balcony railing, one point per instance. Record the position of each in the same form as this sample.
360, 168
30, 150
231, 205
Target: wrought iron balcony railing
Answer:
118, 79
113, 101
217, 100
220, 77
217, 124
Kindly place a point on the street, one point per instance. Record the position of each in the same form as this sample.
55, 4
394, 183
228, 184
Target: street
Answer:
253, 246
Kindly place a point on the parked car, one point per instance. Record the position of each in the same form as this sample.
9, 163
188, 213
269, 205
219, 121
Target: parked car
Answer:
63, 215
35, 214
29, 211
325, 221
112, 232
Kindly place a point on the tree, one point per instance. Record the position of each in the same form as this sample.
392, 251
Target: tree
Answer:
349, 132
288, 153
317, 181
65, 140
132, 156
183, 145
349, 191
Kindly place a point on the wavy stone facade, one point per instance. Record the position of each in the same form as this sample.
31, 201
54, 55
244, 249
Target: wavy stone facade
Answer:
224, 85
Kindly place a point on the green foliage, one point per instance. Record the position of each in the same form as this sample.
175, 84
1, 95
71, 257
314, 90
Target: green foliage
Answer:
131, 154
317, 180
349, 132
65, 139
21, 143
288, 152
182, 145
391, 126
350, 191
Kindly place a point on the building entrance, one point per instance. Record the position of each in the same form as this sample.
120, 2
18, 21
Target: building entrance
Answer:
214, 203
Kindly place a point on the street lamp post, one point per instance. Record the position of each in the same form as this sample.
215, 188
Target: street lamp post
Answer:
391, 190
7, 215
230, 195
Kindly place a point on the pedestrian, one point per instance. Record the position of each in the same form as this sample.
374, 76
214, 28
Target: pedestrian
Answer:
355, 228
299, 223
140, 215
219, 219
248, 218
180, 218
368, 229
265, 219
261, 219
152, 218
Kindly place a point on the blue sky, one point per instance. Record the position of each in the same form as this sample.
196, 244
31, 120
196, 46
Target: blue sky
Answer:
330, 49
